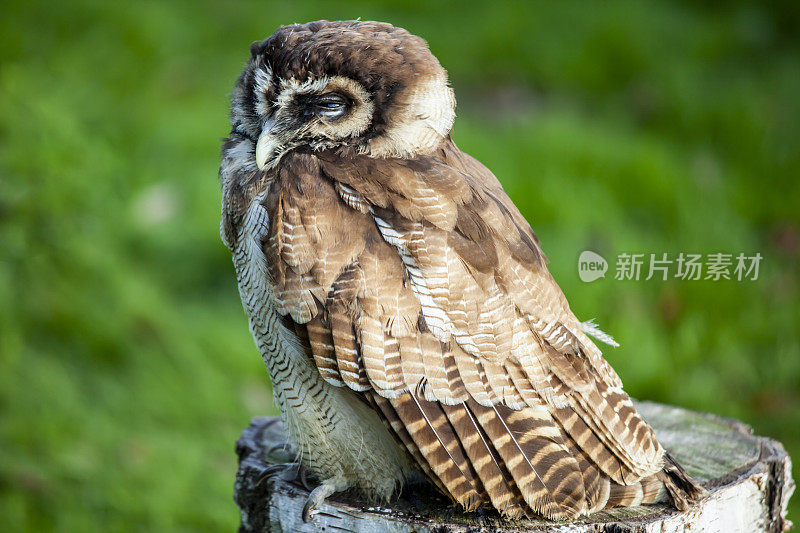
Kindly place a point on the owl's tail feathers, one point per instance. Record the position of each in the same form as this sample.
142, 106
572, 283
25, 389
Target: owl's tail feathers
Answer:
482, 456
423, 429
514, 461
521, 460
645, 491
517, 461
682, 489
672, 484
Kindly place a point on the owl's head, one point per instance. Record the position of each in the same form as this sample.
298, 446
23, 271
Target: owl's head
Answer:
365, 85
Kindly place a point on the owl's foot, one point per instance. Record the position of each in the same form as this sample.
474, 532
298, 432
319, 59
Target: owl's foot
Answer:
289, 469
291, 472
318, 495
285, 464
282, 452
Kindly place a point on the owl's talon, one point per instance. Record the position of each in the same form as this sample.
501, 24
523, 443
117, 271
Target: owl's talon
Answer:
282, 452
318, 495
286, 472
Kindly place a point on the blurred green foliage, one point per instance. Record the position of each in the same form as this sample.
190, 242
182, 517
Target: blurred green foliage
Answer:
126, 367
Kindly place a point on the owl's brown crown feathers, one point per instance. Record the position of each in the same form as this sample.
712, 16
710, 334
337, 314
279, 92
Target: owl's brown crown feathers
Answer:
401, 104
384, 59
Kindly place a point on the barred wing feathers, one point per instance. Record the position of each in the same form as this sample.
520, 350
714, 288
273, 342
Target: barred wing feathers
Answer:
421, 286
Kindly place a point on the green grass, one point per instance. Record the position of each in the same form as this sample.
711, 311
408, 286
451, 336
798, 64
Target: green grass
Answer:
126, 367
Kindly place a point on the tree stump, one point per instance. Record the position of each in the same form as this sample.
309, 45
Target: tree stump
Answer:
748, 479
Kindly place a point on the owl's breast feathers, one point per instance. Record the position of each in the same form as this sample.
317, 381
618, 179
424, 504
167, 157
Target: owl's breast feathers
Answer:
417, 283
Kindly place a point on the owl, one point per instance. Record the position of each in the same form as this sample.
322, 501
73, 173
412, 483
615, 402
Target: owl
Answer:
400, 301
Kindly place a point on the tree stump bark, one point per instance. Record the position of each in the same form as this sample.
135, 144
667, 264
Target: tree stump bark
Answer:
748, 478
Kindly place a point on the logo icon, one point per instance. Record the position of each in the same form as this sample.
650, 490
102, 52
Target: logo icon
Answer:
591, 266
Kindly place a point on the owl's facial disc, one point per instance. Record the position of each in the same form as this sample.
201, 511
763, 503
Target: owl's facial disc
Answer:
319, 113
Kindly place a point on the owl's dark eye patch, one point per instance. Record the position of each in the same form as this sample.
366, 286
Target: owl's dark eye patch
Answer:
330, 106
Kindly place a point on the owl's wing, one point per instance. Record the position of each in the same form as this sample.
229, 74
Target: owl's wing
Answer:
421, 285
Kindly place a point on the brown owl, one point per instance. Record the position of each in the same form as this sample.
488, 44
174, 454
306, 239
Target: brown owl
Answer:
401, 302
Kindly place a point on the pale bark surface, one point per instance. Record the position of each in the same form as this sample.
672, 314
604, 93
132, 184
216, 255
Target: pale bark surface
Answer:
748, 478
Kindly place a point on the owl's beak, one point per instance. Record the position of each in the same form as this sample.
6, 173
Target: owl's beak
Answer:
265, 147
